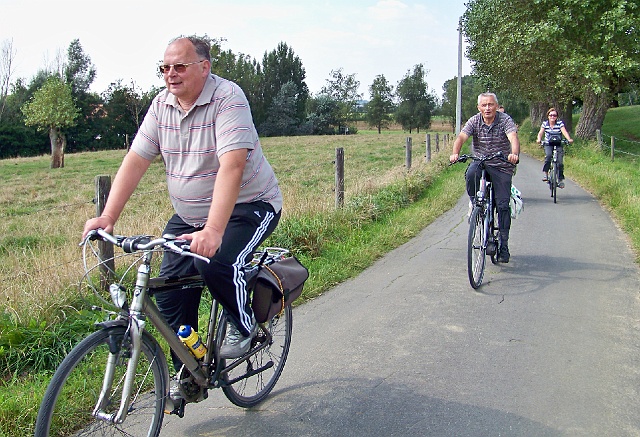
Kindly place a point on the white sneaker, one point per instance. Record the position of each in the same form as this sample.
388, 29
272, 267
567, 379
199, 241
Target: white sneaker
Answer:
235, 344
470, 210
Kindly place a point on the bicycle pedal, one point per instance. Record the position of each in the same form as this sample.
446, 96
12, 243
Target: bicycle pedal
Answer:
177, 410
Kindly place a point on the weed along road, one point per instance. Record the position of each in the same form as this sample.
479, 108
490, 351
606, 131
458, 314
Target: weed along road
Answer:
548, 346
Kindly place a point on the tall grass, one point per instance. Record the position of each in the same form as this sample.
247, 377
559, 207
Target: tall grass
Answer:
44, 210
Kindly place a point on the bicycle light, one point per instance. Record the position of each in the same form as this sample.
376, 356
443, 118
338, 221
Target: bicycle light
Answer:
118, 295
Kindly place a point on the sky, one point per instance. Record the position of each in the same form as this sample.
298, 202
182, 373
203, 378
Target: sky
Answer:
126, 39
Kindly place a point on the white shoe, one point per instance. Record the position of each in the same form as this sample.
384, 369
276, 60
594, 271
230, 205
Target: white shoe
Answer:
235, 344
470, 210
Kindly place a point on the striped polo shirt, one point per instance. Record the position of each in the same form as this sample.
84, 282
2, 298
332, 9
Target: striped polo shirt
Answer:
191, 143
556, 130
487, 139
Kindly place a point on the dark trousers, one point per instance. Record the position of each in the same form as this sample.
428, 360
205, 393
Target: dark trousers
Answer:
502, 190
548, 156
250, 224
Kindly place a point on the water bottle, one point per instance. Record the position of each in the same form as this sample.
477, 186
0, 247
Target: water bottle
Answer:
192, 340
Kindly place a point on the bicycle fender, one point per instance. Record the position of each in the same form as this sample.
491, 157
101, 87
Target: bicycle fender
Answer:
111, 323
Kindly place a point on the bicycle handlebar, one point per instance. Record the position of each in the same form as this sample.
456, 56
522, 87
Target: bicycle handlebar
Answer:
563, 141
499, 155
138, 243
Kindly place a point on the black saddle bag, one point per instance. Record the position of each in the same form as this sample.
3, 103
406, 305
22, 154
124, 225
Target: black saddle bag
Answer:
275, 286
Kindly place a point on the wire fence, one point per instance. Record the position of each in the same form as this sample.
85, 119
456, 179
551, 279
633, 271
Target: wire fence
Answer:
617, 145
6, 280
434, 140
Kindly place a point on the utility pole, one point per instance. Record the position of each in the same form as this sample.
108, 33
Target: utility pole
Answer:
459, 85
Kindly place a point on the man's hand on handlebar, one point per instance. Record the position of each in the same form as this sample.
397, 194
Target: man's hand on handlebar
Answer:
205, 242
513, 158
102, 222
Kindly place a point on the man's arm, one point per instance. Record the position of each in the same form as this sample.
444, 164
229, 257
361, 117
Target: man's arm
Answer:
131, 170
457, 146
225, 195
514, 156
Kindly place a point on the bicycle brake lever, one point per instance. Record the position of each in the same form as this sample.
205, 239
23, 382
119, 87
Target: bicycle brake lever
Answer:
183, 250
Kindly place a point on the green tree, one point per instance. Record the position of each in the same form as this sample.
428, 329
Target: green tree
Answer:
52, 109
279, 67
323, 114
551, 52
471, 87
415, 104
343, 88
79, 74
17, 139
381, 104
123, 111
282, 119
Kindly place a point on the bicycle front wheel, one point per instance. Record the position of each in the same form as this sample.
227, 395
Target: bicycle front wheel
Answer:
556, 180
494, 237
476, 248
69, 402
251, 382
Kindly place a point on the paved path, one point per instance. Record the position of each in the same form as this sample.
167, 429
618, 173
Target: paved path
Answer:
548, 346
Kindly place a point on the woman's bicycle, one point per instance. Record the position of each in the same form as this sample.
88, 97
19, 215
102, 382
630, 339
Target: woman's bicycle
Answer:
483, 238
553, 179
116, 381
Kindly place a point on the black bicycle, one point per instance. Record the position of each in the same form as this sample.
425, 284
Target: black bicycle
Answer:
483, 238
553, 179
116, 381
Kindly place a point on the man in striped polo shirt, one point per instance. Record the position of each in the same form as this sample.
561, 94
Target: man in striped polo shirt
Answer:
224, 192
492, 131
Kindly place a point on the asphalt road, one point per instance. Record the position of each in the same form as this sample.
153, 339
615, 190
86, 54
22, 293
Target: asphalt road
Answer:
548, 346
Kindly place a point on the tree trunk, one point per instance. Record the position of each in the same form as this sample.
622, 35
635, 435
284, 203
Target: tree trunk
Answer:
538, 113
594, 108
567, 117
58, 141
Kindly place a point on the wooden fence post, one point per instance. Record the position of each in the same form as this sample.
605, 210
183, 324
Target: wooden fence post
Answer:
339, 189
428, 152
613, 146
407, 154
102, 188
599, 137
437, 142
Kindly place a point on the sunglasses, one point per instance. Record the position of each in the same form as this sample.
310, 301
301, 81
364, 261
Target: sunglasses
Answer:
179, 68
553, 115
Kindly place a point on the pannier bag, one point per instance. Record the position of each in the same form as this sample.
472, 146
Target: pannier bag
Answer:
516, 205
276, 286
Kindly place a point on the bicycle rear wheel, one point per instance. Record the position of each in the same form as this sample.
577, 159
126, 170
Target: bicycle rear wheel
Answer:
251, 382
72, 395
476, 248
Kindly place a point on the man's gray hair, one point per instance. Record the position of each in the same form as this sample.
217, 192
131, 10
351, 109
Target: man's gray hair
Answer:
202, 46
481, 96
